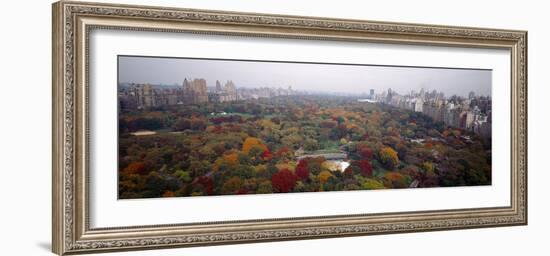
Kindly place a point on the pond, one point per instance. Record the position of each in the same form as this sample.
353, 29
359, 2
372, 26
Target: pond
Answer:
335, 161
143, 133
338, 165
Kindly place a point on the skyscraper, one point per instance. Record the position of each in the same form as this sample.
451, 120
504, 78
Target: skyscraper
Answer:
195, 91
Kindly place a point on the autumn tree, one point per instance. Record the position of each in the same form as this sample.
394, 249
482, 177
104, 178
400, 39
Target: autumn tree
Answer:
168, 193
256, 144
427, 166
372, 184
314, 164
311, 145
302, 170
135, 168
324, 176
292, 141
183, 175
231, 159
197, 124
255, 153
283, 153
348, 173
206, 184
283, 181
401, 150
249, 185
199, 168
131, 186
366, 168
364, 151
231, 186
265, 188
396, 180
182, 124
251, 142
388, 157
328, 124
266, 155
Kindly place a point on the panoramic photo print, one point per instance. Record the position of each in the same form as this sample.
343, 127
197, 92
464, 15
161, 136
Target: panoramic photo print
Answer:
203, 127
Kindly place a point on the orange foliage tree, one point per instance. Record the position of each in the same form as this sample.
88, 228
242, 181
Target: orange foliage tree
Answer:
231, 158
251, 142
135, 168
395, 180
169, 193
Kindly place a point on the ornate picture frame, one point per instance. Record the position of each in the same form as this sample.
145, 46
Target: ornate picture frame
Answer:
72, 23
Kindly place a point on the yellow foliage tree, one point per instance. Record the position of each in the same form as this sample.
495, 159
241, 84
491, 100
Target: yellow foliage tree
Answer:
328, 165
389, 156
372, 184
324, 176
428, 166
268, 124
289, 165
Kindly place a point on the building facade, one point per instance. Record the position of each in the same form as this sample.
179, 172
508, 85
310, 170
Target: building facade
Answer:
471, 114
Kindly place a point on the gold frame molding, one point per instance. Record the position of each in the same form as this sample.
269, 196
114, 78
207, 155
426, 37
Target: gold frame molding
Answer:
72, 22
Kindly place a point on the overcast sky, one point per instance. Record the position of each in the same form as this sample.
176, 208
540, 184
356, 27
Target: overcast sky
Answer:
305, 76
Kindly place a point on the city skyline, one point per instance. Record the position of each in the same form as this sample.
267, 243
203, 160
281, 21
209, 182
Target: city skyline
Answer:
312, 77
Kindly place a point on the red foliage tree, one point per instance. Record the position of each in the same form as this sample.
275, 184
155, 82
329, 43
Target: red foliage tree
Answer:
366, 168
364, 151
207, 183
301, 170
283, 181
242, 191
217, 129
282, 151
348, 173
266, 155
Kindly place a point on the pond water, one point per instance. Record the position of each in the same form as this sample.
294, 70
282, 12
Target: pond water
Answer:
335, 161
143, 133
338, 165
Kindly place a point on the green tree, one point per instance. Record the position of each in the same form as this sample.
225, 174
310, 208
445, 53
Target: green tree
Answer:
265, 188
311, 145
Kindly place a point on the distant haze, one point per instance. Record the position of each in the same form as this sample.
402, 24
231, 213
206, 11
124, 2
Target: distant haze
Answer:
305, 76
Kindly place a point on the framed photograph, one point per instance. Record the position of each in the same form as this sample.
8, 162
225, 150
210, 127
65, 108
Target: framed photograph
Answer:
179, 127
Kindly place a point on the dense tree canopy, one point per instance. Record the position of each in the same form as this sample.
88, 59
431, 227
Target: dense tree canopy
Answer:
288, 144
